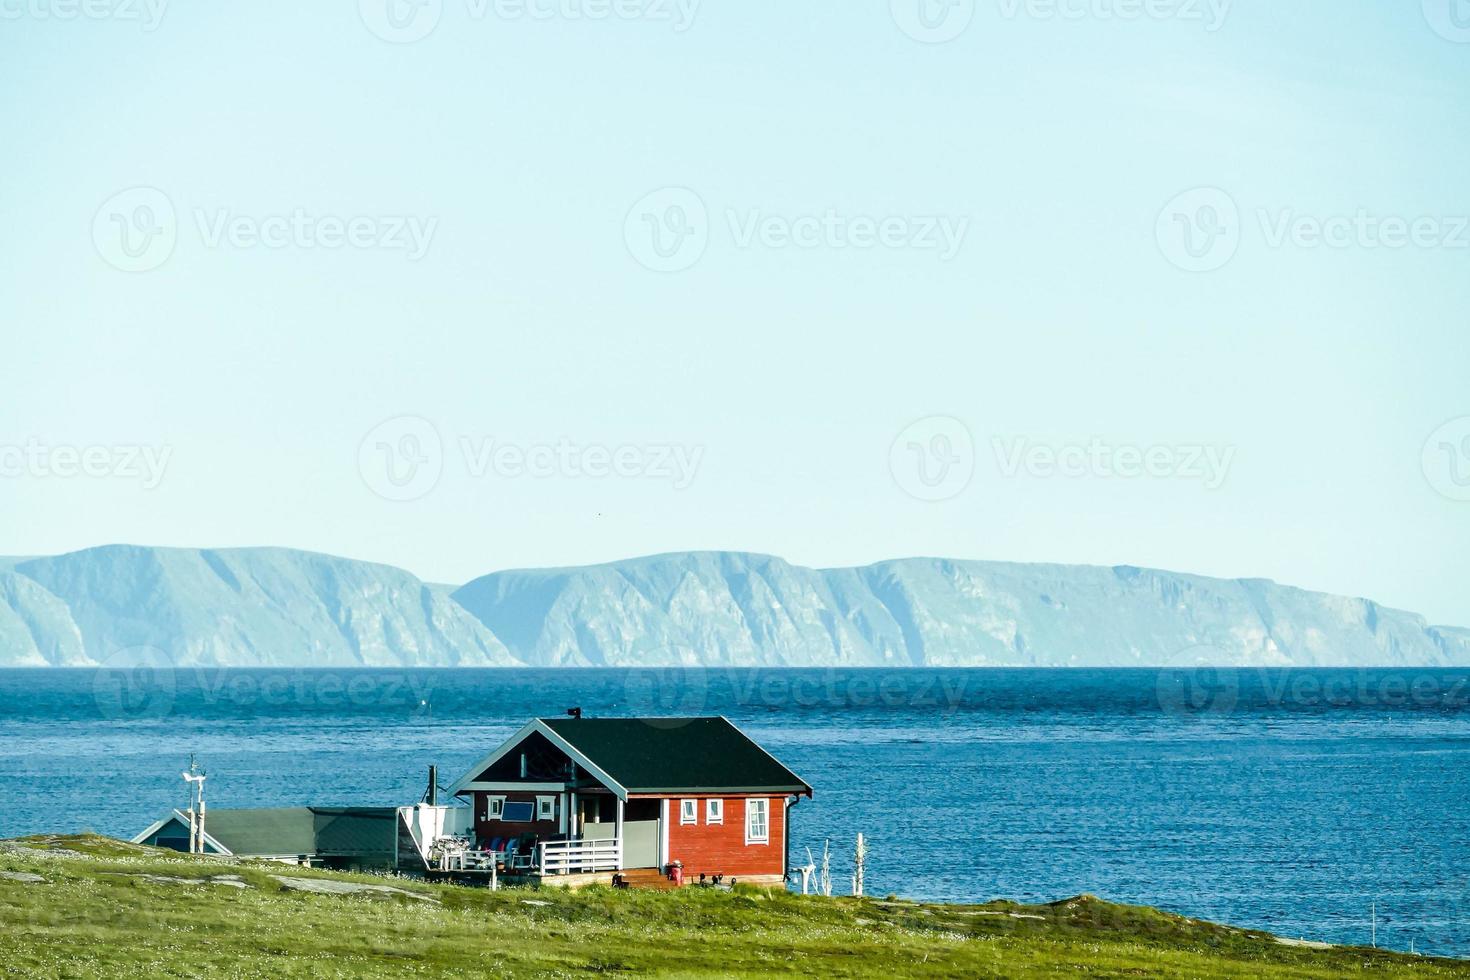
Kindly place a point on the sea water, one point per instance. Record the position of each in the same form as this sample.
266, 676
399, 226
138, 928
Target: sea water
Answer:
1287, 800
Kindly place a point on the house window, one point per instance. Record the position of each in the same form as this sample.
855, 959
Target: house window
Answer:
545, 808
494, 807
688, 811
757, 821
714, 811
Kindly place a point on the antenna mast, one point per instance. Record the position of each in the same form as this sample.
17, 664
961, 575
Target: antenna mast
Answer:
195, 778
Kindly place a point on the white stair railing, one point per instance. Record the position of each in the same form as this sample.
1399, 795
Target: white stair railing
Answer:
572, 856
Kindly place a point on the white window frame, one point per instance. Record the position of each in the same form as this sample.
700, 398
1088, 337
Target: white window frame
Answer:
494, 807
714, 811
545, 808
751, 806
688, 811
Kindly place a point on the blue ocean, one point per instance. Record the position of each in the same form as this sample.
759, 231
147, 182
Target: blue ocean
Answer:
1289, 800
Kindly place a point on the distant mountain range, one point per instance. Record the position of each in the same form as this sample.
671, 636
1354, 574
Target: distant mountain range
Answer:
277, 607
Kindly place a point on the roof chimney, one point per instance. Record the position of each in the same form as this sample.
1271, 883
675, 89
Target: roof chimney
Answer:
575, 712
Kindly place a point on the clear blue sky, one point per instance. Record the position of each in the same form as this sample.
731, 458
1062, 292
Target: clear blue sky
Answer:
520, 144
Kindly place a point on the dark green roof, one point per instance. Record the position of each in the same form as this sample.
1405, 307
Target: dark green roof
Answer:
663, 755
328, 831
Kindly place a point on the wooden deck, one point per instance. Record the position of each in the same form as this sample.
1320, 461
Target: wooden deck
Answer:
636, 878
649, 878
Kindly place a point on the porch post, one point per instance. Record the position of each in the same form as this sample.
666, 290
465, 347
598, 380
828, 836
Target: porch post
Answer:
663, 833
618, 831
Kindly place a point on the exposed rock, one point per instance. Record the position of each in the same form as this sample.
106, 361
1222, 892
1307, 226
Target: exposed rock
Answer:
331, 886
1302, 943
22, 876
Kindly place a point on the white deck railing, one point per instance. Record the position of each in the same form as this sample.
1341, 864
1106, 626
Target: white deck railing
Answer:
571, 856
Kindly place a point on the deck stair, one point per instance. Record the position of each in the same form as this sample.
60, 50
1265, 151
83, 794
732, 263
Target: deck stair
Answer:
646, 878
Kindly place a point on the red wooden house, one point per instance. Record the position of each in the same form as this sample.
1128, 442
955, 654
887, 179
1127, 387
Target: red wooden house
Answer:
597, 795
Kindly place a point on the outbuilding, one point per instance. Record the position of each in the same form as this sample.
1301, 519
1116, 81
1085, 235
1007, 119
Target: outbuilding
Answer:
318, 836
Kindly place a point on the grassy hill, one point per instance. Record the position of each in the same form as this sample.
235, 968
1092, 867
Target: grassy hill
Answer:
91, 906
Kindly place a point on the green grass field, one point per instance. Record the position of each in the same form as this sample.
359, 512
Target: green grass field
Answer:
105, 908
